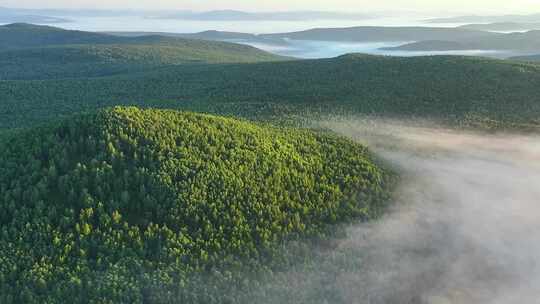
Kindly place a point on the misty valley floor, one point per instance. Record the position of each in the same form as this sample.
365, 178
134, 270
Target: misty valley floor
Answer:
464, 228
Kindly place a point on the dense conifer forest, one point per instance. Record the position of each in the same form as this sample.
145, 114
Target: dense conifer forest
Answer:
113, 190
60, 72
40, 52
127, 205
444, 88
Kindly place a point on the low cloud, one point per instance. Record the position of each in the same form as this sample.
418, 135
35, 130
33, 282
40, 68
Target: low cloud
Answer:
464, 226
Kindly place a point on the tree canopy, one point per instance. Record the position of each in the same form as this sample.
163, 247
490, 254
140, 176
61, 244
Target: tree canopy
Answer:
446, 88
128, 205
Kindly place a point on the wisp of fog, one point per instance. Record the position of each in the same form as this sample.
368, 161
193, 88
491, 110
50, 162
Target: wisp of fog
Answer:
464, 226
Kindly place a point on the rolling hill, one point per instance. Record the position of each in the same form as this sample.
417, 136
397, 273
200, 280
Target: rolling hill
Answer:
103, 203
382, 34
8, 15
8, 18
22, 35
446, 88
503, 26
234, 15
431, 45
92, 60
57, 53
350, 34
519, 42
211, 35
468, 37
129, 206
488, 19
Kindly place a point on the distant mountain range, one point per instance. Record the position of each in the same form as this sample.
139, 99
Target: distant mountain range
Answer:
12, 16
381, 34
40, 52
211, 36
41, 15
349, 34
415, 38
206, 35
431, 45
525, 42
70, 13
488, 19
503, 26
424, 39
224, 15
23, 35
32, 19
55, 72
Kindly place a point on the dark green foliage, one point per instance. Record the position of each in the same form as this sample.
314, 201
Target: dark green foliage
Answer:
384, 33
135, 206
23, 35
143, 53
440, 87
518, 42
431, 45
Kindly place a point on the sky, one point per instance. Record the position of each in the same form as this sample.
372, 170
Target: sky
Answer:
441, 6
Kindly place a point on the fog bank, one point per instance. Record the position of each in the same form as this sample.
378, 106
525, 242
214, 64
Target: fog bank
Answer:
464, 227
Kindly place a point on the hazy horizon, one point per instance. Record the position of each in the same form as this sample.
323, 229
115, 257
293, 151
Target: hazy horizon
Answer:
444, 7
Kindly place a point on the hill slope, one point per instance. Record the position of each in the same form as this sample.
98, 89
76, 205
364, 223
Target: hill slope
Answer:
40, 52
524, 42
21, 35
380, 33
431, 45
503, 26
487, 19
439, 87
148, 198
93, 60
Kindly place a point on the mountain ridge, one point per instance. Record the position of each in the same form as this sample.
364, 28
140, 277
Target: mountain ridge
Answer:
57, 53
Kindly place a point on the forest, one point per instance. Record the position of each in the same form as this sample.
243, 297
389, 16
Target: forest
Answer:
451, 89
150, 198
155, 169
61, 72
76, 61
41, 52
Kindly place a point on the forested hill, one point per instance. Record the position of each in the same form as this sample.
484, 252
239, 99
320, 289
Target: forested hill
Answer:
92, 60
129, 205
382, 33
20, 35
39, 52
205, 35
522, 42
432, 45
503, 26
438, 87
488, 19
24, 35
347, 34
